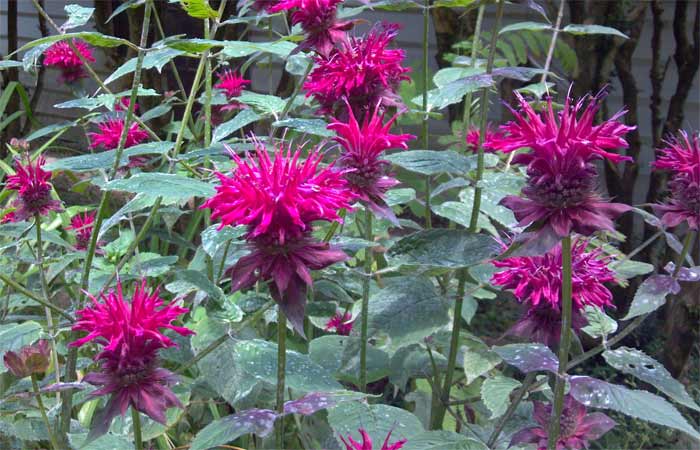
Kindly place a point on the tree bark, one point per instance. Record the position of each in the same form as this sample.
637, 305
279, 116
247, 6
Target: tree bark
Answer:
10, 75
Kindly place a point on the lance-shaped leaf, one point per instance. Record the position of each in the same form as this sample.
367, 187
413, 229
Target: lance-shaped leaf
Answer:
528, 357
441, 248
651, 295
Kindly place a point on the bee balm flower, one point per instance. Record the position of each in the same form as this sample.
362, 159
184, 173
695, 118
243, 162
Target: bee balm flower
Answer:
82, 224
130, 333
366, 444
33, 190
62, 56
111, 131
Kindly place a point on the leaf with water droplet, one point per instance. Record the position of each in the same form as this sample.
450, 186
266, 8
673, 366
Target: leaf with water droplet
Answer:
528, 357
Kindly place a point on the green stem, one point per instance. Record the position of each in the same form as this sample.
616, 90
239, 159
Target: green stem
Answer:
454, 348
67, 396
553, 42
564, 343
24, 291
44, 417
687, 244
136, 423
207, 87
281, 372
295, 93
466, 116
424, 132
483, 110
519, 395
364, 314
45, 294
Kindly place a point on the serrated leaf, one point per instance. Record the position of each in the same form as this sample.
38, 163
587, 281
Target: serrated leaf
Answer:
432, 162
643, 405
600, 325
443, 440
199, 9
637, 363
478, 361
91, 37
200, 282
529, 26
528, 357
77, 16
441, 248
581, 29
170, 186
377, 420
214, 238
243, 117
651, 295
495, 393
267, 104
340, 355
454, 91
105, 160
240, 49
153, 59
229, 428
317, 127
413, 361
407, 310
629, 269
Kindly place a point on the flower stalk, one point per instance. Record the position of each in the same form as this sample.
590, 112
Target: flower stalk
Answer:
42, 410
483, 109
281, 372
364, 314
424, 127
564, 343
136, 424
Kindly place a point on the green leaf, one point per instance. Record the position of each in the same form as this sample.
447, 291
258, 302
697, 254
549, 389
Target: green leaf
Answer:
400, 196
199, 9
478, 361
377, 420
8, 63
495, 393
460, 213
453, 92
441, 248
317, 127
267, 104
14, 336
49, 129
637, 363
105, 160
199, 281
413, 361
651, 295
643, 405
214, 239
449, 74
232, 427
243, 117
600, 325
240, 49
529, 26
170, 186
91, 37
341, 356
77, 16
153, 59
195, 45
443, 440
580, 29
128, 4
406, 311
629, 269
432, 162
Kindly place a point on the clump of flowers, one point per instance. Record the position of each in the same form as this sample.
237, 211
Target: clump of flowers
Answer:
681, 157
578, 428
366, 444
111, 131
63, 57
278, 199
318, 20
340, 323
82, 224
362, 148
33, 189
536, 281
131, 334
30, 360
473, 135
365, 71
561, 192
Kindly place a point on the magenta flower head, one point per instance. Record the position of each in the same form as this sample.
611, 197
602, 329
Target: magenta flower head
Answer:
82, 224
318, 20
681, 158
362, 148
340, 323
123, 104
231, 83
33, 189
561, 192
278, 199
362, 70
111, 131
577, 427
131, 333
62, 56
31, 359
536, 282
473, 135
366, 444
